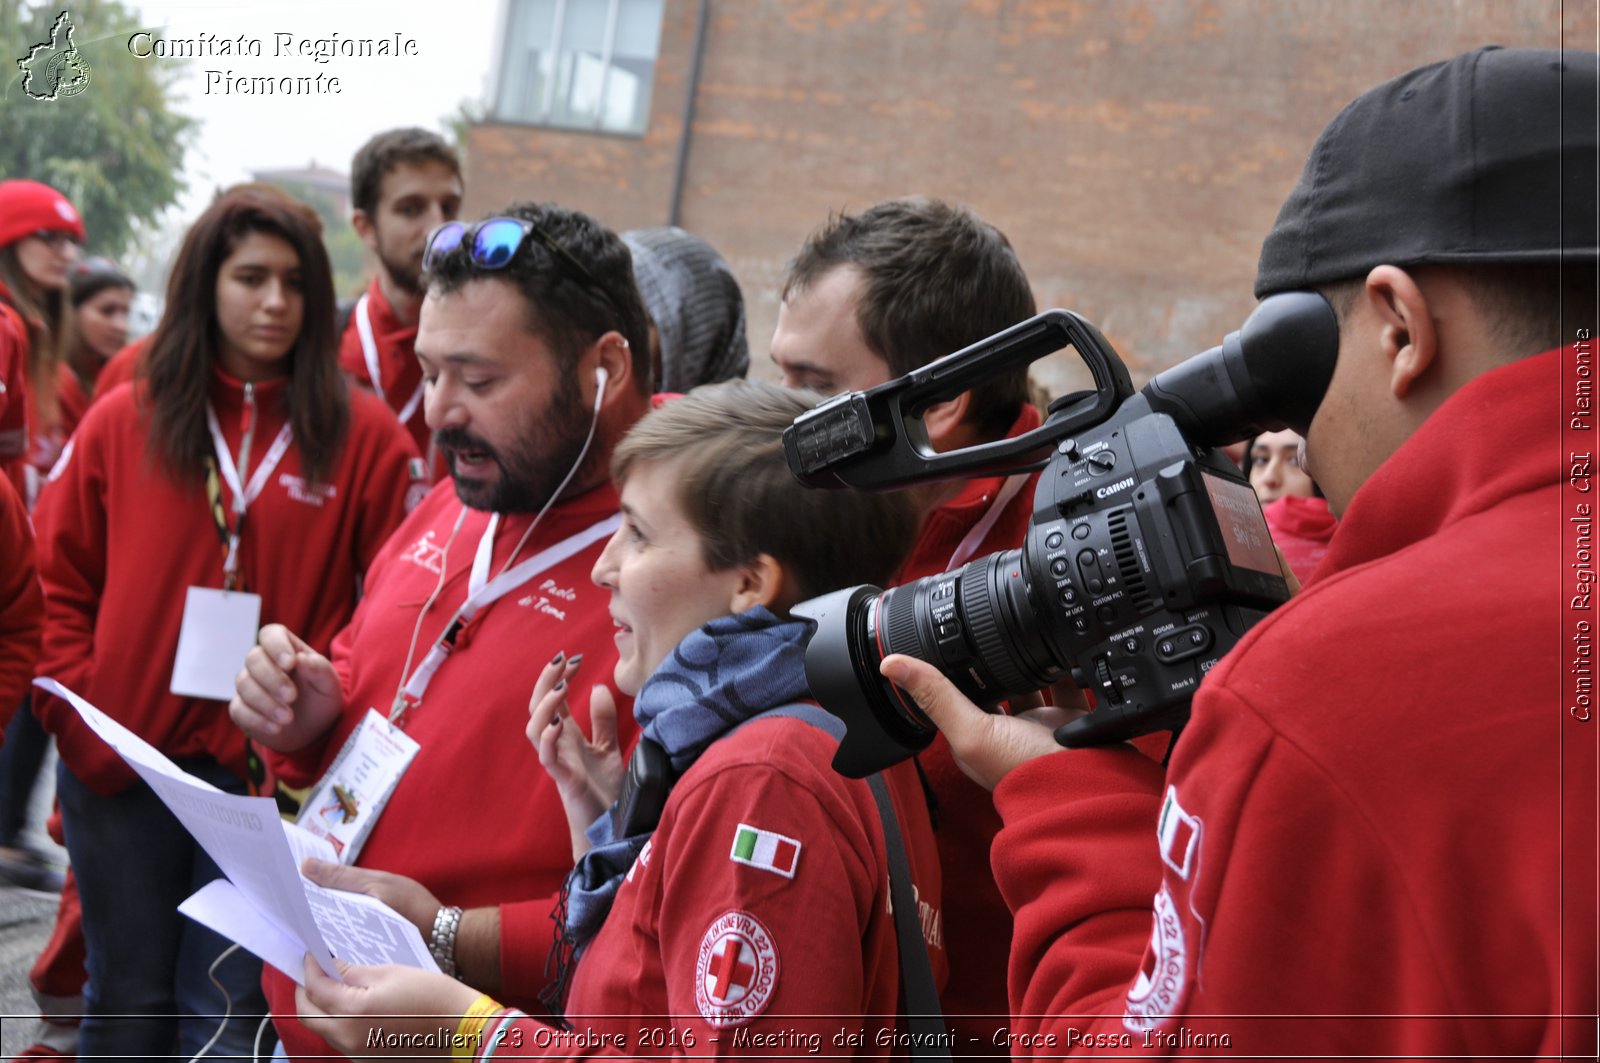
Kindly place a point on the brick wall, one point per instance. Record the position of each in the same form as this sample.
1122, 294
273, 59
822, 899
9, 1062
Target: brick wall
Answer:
1135, 152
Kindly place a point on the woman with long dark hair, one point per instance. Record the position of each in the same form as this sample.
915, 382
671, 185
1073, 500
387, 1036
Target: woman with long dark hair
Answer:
237, 482
40, 237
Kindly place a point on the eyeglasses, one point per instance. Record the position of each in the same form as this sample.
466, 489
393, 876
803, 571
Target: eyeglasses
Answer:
497, 241
56, 238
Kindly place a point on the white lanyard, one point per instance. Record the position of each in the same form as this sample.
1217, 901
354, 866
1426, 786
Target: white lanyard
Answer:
369, 351
243, 496
981, 530
482, 592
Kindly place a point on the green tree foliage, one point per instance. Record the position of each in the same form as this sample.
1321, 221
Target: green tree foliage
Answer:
116, 148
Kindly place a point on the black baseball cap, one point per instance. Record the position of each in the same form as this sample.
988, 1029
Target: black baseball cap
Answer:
1489, 157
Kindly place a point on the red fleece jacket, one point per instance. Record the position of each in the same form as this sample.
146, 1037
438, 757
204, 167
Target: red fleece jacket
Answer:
474, 818
1378, 834
400, 374
121, 541
21, 603
747, 959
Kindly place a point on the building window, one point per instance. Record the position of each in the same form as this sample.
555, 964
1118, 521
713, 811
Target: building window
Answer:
579, 64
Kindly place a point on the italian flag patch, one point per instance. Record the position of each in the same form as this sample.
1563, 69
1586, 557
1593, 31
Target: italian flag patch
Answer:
765, 849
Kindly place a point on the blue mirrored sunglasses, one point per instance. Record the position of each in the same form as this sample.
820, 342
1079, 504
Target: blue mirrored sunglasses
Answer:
495, 242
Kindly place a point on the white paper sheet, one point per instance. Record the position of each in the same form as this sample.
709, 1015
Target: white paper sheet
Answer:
261, 855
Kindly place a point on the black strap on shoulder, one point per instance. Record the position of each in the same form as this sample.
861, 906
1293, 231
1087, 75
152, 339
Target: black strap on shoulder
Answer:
923, 1014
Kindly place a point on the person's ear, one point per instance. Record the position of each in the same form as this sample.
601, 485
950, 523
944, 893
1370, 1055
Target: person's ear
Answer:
946, 422
611, 353
762, 581
362, 224
1408, 335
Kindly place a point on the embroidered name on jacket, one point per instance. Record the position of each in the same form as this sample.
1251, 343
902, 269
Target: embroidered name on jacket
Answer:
551, 599
301, 491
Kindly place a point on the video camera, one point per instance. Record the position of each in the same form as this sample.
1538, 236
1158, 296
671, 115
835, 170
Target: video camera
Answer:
1147, 557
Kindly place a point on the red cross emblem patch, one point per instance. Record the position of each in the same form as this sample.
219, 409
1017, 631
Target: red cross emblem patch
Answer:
736, 972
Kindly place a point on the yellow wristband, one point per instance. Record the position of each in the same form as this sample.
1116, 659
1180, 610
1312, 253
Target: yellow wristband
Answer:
469, 1033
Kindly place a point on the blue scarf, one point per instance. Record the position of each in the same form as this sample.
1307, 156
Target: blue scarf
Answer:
727, 672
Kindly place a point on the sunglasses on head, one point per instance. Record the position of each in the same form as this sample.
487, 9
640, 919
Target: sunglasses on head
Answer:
496, 241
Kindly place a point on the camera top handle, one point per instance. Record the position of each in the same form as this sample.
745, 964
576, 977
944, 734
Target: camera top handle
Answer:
876, 440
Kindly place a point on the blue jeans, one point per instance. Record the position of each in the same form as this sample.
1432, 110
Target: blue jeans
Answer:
21, 757
149, 995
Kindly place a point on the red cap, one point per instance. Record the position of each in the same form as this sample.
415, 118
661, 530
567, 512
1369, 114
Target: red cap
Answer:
28, 206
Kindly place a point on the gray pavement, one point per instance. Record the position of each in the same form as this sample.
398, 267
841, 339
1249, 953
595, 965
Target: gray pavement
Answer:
26, 919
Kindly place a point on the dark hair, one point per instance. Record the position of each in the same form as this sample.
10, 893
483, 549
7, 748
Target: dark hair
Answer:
43, 317
177, 362
89, 277
936, 278
86, 279
1529, 306
374, 159
737, 491
568, 310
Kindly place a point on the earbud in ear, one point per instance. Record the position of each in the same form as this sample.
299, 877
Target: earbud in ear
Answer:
600, 377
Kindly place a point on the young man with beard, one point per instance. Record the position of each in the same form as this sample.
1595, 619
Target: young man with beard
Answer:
870, 297
1377, 835
404, 183
534, 346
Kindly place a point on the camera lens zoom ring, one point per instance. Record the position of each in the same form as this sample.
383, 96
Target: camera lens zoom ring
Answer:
980, 600
900, 624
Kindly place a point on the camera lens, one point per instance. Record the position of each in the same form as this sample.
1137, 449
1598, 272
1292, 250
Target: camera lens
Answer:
975, 625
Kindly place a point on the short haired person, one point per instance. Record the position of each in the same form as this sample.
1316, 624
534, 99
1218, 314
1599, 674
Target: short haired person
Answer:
240, 462
533, 343
1377, 833
404, 183
870, 297
755, 913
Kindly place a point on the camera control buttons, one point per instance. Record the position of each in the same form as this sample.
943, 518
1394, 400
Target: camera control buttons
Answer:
1101, 462
1059, 566
1080, 531
1069, 595
1183, 643
1054, 541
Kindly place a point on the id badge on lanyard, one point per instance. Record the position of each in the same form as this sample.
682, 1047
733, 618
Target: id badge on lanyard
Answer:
344, 805
220, 626
346, 802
